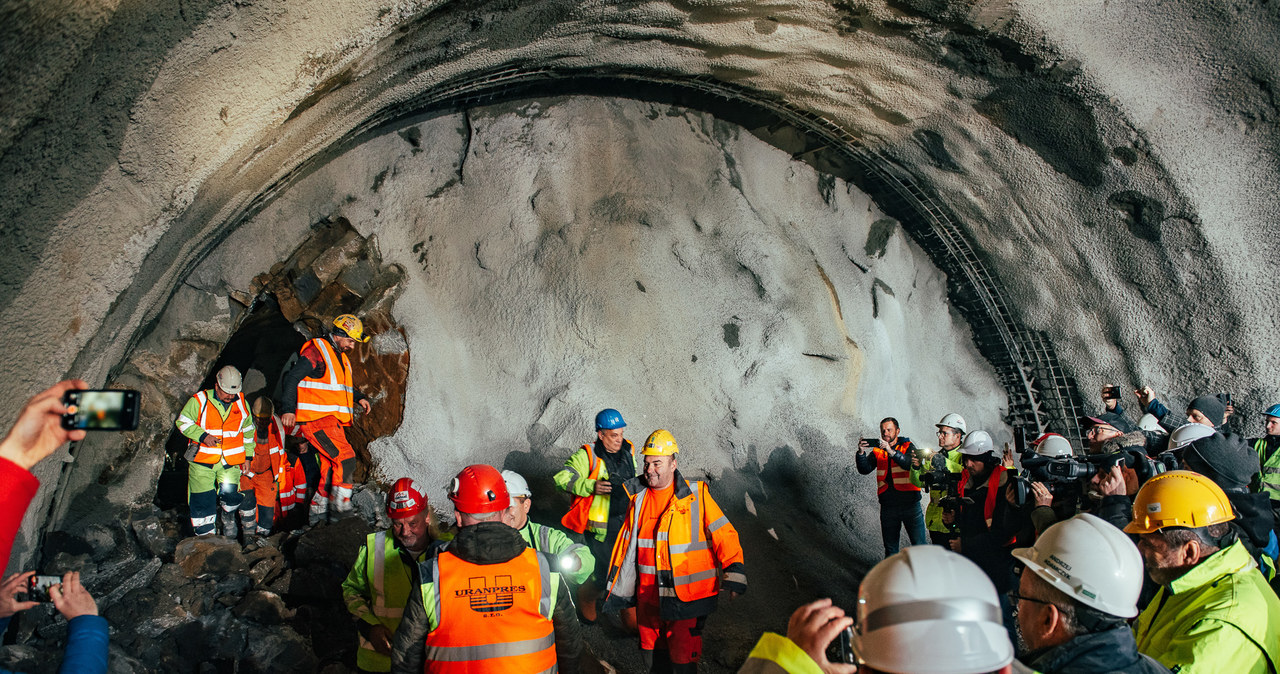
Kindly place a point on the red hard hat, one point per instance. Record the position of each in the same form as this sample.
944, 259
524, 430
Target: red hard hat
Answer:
479, 489
405, 500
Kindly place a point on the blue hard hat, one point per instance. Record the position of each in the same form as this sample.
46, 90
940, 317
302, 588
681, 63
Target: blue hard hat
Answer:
1273, 411
609, 419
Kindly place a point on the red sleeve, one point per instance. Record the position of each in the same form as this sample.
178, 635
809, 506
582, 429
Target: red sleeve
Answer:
17, 487
311, 353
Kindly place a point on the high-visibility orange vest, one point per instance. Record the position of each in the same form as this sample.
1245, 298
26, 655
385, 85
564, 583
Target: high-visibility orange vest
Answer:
890, 473
489, 618
686, 559
332, 395
209, 419
590, 510
993, 492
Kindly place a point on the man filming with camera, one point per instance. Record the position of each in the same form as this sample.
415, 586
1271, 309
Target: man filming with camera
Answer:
989, 518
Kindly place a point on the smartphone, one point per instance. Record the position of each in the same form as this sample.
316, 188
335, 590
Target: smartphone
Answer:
846, 646
873, 442
100, 410
1225, 398
1111, 393
38, 587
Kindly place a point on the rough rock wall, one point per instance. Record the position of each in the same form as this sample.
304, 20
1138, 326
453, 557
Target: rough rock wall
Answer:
1112, 164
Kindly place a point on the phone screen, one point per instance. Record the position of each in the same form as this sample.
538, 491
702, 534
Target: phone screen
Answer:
38, 587
1111, 393
101, 410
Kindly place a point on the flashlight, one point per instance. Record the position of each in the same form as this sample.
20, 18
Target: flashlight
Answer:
570, 563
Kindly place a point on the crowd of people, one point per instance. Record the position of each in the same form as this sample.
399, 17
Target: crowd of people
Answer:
1151, 549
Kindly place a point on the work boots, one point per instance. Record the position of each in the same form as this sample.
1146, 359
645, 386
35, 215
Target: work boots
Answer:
319, 509
342, 500
229, 528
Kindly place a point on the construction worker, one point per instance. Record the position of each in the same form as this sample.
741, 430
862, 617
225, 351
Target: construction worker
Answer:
378, 586
673, 556
220, 429
590, 477
1214, 611
1079, 584
951, 430
1232, 465
925, 609
1268, 449
988, 520
1051, 507
261, 481
573, 560
898, 493
489, 603
320, 396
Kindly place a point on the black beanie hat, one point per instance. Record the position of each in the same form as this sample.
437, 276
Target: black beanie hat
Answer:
1211, 407
1225, 459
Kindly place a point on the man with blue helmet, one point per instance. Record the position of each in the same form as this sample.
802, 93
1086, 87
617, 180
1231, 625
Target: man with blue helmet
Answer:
590, 476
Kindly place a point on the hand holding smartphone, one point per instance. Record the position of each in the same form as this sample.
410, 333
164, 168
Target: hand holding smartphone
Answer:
38, 587
100, 410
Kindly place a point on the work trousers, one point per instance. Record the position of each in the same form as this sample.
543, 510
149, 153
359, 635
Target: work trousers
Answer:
206, 485
337, 460
667, 645
895, 516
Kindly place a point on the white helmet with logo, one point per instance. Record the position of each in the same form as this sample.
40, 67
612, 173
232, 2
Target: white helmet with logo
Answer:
927, 610
1090, 561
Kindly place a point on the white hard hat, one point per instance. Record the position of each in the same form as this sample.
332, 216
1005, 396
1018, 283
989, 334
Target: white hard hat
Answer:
977, 443
516, 484
953, 420
927, 610
1149, 422
1187, 434
1053, 446
229, 379
1090, 561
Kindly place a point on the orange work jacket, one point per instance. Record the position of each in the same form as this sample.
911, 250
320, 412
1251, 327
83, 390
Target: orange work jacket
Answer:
489, 618
890, 474
268, 463
694, 544
332, 394
232, 452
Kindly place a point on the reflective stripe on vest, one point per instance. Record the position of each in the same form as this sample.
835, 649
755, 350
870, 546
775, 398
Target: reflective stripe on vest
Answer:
993, 492
229, 429
330, 396
678, 544
589, 512
490, 618
890, 473
390, 580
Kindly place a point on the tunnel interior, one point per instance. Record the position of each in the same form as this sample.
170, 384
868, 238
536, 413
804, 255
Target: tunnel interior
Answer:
762, 225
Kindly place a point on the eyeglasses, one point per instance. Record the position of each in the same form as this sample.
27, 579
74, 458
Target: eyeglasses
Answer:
1014, 598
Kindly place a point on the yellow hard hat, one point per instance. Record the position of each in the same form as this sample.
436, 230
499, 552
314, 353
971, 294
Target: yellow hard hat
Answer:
1179, 498
660, 443
352, 326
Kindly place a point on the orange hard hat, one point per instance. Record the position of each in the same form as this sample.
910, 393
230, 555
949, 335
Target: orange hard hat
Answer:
405, 500
479, 489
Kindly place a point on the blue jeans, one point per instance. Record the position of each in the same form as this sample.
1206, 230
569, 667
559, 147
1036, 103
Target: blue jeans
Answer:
894, 517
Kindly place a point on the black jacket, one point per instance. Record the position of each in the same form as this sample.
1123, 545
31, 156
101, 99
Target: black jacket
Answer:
1113, 651
483, 543
900, 454
989, 547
